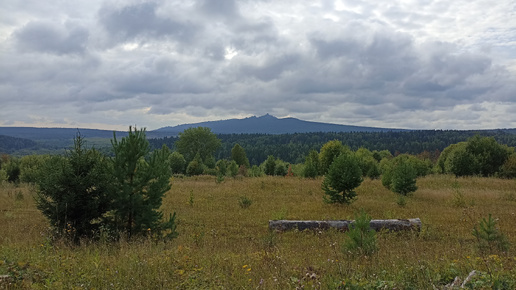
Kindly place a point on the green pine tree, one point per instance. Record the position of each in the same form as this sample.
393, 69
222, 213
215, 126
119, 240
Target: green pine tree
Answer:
403, 178
361, 238
75, 191
142, 179
343, 176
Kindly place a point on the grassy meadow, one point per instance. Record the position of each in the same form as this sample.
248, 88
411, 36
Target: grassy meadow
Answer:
223, 244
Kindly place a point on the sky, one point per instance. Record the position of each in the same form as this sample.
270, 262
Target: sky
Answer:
414, 64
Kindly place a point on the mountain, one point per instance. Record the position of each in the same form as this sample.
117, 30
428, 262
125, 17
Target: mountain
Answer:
267, 124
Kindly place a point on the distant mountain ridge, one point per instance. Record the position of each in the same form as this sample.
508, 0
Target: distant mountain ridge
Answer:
34, 133
268, 124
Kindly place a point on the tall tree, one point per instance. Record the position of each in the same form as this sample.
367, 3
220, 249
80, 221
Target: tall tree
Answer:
142, 179
238, 154
199, 140
490, 155
270, 165
329, 152
312, 166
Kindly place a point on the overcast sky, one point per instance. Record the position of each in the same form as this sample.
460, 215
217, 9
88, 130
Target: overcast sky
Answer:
416, 64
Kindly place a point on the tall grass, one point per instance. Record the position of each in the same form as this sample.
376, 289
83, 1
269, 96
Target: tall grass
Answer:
222, 245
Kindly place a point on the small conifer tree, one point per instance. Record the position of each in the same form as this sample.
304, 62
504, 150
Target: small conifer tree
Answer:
142, 179
361, 238
75, 191
403, 178
342, 178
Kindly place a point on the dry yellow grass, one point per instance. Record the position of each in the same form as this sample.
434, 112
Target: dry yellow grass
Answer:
222, 245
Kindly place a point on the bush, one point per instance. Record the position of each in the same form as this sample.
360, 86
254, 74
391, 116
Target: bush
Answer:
461, 162
29, 166
255, 171
508, 169
343, 176
195, 167
478, 156
368, 163
222, 167
177, 163
232, 168
281, 168
244, 202
12, 169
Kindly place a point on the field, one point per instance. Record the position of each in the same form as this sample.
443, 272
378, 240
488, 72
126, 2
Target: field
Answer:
223, 244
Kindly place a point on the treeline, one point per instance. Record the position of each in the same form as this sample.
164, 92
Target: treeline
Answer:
293, 148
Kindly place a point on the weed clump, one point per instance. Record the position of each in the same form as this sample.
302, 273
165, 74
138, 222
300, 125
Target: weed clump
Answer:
244, 202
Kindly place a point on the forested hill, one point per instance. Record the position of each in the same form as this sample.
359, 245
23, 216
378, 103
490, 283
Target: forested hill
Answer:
294, 147
10, 144
267, 124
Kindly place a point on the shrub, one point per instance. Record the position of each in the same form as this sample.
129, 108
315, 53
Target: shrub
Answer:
195, 167
281, 168
255, 171
244, 202
508, 169
12, 169
222, 167
461, 162
29, 166
342, 178
177, 163
232, 168
242, 170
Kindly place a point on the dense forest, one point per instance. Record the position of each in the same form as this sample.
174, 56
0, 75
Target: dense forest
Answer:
293, 148
10, 144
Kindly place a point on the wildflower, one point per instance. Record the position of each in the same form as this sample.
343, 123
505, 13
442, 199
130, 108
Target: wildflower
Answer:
244, 266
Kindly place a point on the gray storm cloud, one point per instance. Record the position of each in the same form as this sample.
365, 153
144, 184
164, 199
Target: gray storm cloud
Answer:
413, 65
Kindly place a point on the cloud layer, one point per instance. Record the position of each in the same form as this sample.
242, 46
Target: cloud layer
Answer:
109, 64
